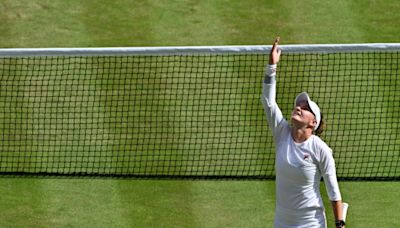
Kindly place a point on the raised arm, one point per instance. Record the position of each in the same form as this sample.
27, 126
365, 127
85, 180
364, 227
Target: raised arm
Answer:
269, 86
272, 111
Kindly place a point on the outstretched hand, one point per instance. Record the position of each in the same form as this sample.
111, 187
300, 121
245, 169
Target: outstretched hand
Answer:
275, 54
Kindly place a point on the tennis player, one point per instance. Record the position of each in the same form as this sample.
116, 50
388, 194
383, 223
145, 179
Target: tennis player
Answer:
302, 158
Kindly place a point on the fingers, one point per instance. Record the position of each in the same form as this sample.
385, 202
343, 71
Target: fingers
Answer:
275, 53
277, 40
275, 45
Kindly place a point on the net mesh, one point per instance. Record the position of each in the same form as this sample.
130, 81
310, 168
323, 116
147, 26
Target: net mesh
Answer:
196, 115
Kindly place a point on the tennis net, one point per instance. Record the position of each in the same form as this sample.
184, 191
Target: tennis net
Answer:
192, 111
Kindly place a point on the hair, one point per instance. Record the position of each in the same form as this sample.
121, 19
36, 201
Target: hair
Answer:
321, 126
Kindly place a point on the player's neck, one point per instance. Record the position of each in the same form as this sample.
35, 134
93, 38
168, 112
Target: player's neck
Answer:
300, 135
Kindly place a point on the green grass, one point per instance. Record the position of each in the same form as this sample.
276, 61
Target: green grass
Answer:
93, 23
28, 202
139, 203
34, 202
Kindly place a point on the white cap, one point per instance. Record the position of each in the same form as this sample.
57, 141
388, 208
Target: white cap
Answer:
313, 106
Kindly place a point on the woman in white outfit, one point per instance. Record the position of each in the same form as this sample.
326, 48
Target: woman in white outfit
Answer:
302, 158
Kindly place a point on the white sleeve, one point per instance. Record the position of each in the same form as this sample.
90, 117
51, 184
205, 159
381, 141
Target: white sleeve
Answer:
328, 172
272, 111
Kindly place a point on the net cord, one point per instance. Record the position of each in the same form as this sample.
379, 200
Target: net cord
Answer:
198, 50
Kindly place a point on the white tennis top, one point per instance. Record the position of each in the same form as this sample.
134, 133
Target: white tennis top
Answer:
299, 168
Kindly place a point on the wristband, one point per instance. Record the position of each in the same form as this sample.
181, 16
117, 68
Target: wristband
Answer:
340, 223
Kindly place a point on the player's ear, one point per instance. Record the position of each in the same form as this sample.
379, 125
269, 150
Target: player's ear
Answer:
313, 123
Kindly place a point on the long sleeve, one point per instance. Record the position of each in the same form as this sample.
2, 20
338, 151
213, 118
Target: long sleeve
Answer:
271, 108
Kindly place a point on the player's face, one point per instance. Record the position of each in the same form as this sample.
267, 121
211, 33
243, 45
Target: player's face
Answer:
302, 114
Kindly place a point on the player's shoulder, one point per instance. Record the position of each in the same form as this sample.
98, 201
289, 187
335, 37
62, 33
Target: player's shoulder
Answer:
320, 145
282, 130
